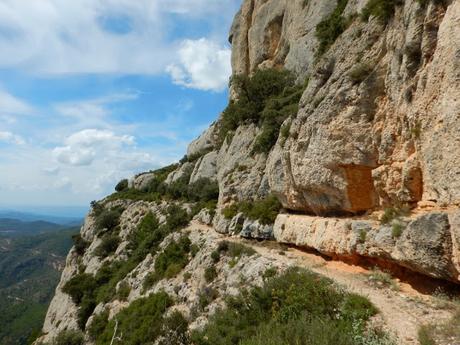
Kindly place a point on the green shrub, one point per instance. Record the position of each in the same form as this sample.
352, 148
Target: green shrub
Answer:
123, 291
108, 219
391, 213
80, 244
215, 256
79, 286
177, 218
234, 250
425, 335
264, 210
69, 338
175, 330
108, 245
298, 307
384, 10
122, 185
140, 323
170, 262
210, 274
266, 99
397, 230
329, 29
359, 73
206, 296
230, 211
98, 325
203, 190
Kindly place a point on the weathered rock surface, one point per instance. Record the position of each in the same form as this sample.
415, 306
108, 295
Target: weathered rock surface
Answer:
428, 242
205, 167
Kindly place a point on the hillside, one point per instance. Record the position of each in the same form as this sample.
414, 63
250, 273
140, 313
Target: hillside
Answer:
330, 146
30, 266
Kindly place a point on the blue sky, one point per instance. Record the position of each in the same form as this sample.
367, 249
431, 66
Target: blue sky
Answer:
92, 91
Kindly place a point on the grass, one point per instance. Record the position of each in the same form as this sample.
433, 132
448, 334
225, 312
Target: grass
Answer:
397, 230
394, 212
444, 333
295, 308
382, 279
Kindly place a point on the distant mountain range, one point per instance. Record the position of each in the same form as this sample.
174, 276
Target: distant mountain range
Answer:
35, 217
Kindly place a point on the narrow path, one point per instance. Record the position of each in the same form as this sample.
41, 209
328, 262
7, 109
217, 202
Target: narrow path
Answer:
402, 311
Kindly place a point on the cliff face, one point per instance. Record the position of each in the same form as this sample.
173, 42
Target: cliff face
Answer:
377, 128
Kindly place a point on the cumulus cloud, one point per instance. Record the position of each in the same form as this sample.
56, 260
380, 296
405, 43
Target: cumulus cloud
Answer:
83, 147
104, 36
10, 138
203, 64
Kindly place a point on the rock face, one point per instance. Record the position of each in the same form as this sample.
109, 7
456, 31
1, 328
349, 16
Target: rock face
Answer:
378, 126
426, 244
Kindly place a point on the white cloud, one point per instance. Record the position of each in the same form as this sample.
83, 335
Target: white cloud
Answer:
11, 138
11, 105
103, 36
83, 147
203, 64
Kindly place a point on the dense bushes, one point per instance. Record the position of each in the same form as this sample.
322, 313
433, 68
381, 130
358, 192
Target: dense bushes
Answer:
170, 262
140, 323
80, 244
69, 338
108, 245
122, 185
296, 308
329, 29
108, 219
267, 98
381, 9
264, 210
88, 290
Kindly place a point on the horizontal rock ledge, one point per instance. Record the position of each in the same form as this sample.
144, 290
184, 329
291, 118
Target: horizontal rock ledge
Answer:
425, 243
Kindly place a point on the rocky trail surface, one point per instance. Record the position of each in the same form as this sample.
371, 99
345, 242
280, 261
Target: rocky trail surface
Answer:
403, 306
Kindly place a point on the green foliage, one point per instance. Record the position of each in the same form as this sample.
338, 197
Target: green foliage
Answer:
362, 235
266, 99
210, 274
359, 73
384, 10
28, 277
425, 335
234, 250
80, 244
79, 286
170, 262
206, 296
123, 291
391, 213
397, 230
265, 210
69, 338
296, 308
108, 245
140, 323
328, 30
98, 324
230, 211
215, 256
108, 219
203, 190
175, 330
122, 185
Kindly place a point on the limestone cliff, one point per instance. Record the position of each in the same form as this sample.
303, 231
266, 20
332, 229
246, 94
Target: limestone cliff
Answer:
368, 166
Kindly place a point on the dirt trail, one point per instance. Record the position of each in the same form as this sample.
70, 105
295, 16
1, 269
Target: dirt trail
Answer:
402, 310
